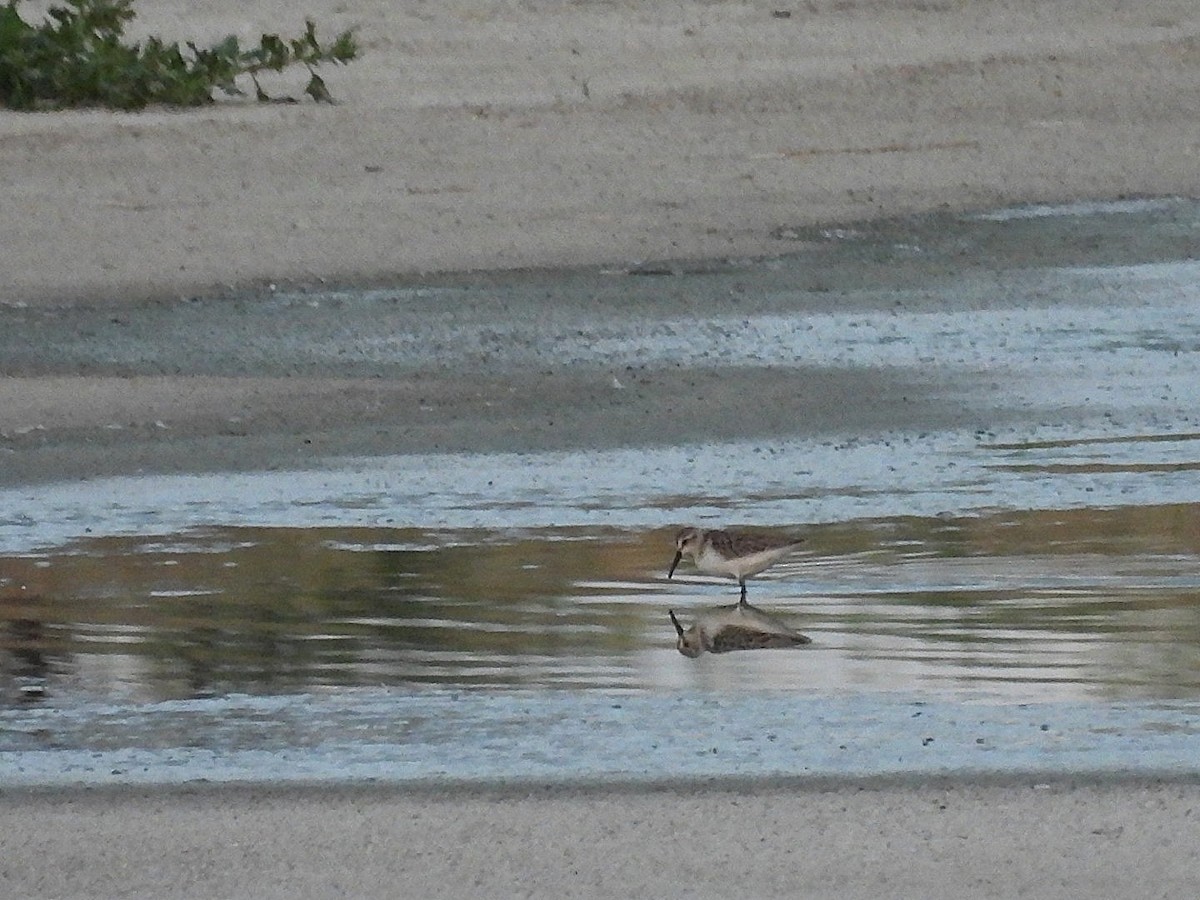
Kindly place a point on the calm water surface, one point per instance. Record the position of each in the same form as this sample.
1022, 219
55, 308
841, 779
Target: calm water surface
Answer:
1089, 603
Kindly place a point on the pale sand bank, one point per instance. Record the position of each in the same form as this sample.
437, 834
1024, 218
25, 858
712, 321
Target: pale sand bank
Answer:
944, 839
501, 135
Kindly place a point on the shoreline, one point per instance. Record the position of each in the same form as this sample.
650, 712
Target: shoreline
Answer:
500, 789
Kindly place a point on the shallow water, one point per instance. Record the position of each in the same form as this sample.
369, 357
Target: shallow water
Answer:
1029, 606
191, 626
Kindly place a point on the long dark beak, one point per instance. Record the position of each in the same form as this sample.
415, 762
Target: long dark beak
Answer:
675, 622
674, 563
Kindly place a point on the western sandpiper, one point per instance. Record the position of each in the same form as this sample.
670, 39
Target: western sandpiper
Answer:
731, 553
737, 627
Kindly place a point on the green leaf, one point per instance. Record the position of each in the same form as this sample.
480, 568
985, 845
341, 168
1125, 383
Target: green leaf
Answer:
77, 57
317, 90
345, 48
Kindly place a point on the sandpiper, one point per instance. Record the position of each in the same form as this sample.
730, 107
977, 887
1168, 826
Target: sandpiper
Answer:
731, 553
737, 627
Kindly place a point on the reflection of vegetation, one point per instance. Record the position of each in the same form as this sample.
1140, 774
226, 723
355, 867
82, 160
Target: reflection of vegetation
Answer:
29, 658
287, 609
280, 609
1102, 599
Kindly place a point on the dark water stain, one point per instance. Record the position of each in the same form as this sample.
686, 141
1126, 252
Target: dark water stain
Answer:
1066, 604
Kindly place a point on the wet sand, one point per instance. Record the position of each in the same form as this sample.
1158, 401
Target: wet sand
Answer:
606, 135
936, 323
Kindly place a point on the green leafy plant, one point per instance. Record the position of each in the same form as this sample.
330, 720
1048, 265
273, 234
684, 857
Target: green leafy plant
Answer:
77, 57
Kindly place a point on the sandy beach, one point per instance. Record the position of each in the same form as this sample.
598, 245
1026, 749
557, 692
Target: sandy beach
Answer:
489, 138
1007, 838
503, 135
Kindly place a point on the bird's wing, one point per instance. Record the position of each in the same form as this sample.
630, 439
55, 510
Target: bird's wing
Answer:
736, 544
722, 542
